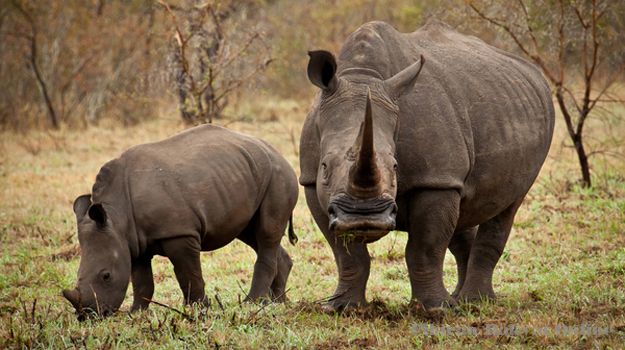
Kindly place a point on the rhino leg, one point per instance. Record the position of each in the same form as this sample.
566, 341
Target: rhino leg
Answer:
433, 218
352, 260
142, 283
265, 270
273, 264
184, 254
460, 247
278, 286
487, 248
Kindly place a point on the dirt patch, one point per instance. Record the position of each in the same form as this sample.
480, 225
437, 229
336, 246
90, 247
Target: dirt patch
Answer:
379, 310
340, 343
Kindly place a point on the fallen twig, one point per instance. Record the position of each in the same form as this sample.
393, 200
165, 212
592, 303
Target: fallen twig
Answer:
184, 314
255, 313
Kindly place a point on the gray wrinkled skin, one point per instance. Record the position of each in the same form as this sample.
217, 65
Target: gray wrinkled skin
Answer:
468, 126
195, 191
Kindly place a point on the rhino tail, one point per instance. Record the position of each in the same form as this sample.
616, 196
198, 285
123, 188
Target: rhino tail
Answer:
292, 237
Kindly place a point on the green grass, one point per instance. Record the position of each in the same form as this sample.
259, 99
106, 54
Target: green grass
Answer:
564, 263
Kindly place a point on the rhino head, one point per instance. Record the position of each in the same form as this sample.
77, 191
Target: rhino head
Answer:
105, 265
357, 121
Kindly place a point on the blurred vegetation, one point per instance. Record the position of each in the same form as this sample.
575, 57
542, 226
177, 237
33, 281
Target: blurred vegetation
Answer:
113, 59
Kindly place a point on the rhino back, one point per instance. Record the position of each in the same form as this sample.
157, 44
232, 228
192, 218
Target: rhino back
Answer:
206, 181
479, 119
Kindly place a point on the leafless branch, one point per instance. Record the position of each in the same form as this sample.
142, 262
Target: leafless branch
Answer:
33, 61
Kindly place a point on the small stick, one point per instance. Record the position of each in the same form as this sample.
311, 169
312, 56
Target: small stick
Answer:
221, 306
185, 315
255, 313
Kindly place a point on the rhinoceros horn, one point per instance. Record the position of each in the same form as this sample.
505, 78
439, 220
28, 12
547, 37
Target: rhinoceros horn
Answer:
364, 175
73, 296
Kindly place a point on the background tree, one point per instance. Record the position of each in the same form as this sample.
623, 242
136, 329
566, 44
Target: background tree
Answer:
75, 62
575, 43
209, 60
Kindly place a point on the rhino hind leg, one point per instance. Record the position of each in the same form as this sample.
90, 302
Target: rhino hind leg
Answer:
265, 233
278, 286
277, 289
460, 247
486, 250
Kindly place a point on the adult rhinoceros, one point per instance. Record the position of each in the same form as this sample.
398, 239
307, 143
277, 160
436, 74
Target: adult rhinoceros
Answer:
454, 134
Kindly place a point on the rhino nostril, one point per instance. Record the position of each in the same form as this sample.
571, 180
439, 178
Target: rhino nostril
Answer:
332, 210
394, 210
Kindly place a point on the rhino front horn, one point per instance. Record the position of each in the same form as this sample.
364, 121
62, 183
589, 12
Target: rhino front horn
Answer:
364, 174
73, 296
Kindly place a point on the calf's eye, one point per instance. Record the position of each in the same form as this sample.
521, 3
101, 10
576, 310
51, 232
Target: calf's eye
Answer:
106, 276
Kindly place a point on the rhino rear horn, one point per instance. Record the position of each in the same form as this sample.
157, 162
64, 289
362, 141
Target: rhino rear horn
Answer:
364, 175
401, 82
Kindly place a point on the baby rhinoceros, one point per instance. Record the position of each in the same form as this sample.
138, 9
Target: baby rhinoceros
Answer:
196, 191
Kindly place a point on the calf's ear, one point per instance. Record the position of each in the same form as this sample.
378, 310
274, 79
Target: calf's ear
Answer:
322, 69
81, 204
97, 214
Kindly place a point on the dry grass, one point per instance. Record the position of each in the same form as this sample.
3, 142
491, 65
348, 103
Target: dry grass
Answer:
564, 264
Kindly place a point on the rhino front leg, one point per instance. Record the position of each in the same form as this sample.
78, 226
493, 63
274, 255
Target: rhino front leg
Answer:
433, 218
142, 283
184, 254
352, 260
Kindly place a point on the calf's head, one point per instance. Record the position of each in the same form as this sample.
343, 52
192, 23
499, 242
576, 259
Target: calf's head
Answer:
357, 123
104, 271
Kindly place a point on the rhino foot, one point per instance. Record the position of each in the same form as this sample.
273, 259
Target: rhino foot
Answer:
336, 306
345, 301
476, 295
434, 304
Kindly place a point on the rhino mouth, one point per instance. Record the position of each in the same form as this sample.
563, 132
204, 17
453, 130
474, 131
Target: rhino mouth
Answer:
86, 312
366, 219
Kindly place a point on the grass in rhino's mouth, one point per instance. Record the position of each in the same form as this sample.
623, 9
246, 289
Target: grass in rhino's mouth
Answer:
359, 234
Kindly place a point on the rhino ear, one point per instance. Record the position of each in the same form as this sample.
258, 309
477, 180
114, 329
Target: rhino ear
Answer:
401, 82
322, 69
97, 213
81, 204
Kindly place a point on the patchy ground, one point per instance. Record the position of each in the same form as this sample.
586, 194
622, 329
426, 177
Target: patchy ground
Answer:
564, 264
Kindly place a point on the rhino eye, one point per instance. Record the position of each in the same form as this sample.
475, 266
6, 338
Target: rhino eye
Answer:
105, 276
395, 167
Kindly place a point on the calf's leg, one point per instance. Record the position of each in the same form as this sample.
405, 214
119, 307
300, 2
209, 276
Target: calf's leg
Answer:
142, 283
184, 254
278, 286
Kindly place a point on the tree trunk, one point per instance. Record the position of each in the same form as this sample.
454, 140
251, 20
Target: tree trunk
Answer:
54, 120
583, 160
